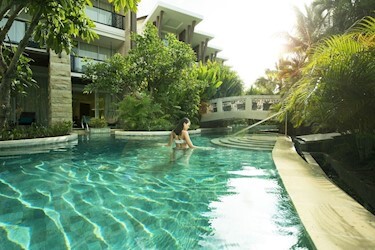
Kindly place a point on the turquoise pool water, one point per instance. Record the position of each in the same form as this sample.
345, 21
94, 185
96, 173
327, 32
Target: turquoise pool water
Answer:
107, 193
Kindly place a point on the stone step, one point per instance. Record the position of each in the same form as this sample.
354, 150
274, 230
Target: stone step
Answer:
250, 142
260, 148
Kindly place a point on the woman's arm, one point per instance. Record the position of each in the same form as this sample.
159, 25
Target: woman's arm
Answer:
187, 139
170, 139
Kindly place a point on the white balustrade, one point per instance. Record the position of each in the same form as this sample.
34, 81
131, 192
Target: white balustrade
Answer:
240, 107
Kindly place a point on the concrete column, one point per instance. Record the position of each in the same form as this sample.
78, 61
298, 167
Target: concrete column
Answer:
204, 48
190, 32
182, 36
159, 20
248, 104
199, 55
219, 105
201, 50
96, 104
59, 88
130, 27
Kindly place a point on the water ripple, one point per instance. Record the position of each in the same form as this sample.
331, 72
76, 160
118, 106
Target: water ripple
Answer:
123, 194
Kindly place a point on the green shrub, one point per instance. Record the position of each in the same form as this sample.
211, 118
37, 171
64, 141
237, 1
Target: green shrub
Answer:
142, 113
97, 123
60, 128
36, 131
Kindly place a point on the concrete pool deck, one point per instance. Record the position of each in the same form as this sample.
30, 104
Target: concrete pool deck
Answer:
332, 218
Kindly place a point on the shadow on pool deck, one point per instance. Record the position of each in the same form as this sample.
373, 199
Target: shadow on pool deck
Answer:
332, 218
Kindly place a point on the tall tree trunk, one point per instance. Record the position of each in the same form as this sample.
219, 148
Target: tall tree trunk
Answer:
4, 101
8, 71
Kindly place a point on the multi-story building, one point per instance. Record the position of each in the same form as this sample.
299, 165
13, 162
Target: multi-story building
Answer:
60, 94
182, 23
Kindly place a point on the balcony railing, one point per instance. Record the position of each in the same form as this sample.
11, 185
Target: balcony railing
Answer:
106, 17
78, 63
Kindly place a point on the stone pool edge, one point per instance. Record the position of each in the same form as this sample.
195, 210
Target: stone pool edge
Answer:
332, 218
38, 141
150, 133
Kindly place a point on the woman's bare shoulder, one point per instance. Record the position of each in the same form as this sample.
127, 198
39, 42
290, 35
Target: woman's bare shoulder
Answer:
184, 132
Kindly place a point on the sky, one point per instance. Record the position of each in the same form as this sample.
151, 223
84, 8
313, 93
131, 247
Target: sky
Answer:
247, 31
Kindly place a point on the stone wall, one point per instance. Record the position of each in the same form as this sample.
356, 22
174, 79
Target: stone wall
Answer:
59, 88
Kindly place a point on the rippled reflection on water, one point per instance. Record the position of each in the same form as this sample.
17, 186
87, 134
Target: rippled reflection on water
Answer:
131, 194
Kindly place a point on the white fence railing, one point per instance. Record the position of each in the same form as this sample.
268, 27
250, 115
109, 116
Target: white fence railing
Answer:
248, 107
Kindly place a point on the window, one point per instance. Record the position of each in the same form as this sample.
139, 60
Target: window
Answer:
101, 12
104, 53
93, 51
16, 32
88, 50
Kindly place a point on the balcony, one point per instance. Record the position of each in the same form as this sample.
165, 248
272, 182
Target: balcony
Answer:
106, 17
78, 63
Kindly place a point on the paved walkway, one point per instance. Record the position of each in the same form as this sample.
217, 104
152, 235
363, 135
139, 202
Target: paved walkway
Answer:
332, 218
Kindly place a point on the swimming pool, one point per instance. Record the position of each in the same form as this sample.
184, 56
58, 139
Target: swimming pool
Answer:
107, 193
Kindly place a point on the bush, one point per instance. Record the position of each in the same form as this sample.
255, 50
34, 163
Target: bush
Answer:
36, 131
142, 113
97, 123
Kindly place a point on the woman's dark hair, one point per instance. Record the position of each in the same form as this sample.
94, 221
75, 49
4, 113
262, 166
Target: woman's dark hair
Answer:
180, 125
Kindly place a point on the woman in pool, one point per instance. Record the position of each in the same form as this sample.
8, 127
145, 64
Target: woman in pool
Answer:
180, 135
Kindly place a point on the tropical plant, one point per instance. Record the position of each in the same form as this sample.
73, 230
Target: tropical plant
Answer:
266, 85
337, 89
341, 81
109, 76
163, 68
140, 112
309, 29
232, 84
155, 63
98, 122
53, 24
340, 15
36, 131
209, 76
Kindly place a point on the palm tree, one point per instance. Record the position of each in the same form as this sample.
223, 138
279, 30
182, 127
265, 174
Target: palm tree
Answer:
308, 30
266, 85
339, 15
337, 89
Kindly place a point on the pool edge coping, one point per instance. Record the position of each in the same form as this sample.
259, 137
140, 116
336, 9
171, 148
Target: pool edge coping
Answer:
10, 144
332, 218
150, 133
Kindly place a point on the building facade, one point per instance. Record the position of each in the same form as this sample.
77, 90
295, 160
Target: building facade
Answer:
60, 96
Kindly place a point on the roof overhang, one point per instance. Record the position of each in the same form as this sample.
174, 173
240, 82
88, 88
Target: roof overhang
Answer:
199, 37
174, 20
